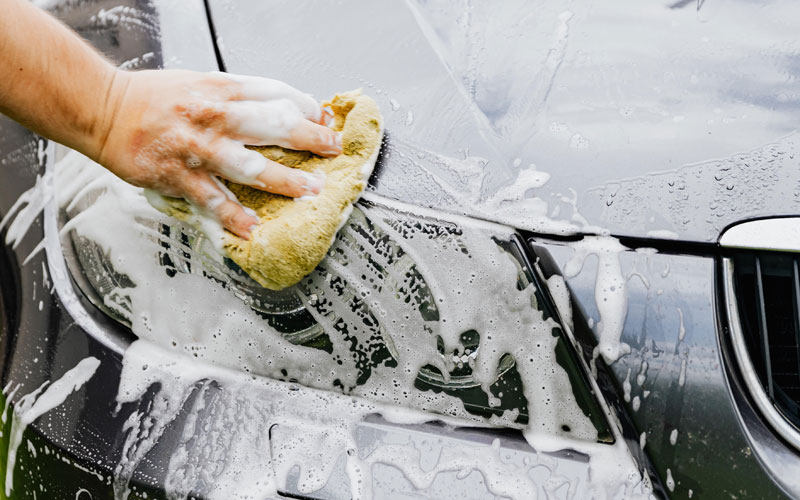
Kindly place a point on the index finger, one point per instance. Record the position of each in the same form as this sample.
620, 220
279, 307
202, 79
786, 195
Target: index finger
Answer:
278, 123
255, 88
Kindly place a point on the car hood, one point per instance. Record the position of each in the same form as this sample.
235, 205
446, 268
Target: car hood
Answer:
642, 119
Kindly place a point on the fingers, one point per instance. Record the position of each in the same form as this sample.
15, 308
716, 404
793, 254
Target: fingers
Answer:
290, 181
254, 88
257, 111
211, 195
261, 123
279, 123
239, 164
309, 136
234, 162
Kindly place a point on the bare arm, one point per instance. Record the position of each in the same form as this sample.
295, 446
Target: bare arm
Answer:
171, 131
52, 81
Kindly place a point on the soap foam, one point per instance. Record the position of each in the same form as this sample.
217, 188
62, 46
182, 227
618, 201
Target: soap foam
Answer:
456, 260
224, 451
477, 292
35, 404
182, 317
610, 292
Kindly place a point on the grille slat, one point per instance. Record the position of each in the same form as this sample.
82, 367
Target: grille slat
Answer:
766, 288
796, 311
764, 332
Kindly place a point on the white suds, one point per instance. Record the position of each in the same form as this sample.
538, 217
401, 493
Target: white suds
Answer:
560, 293
37, 403
137, 62
662, 234
266, 407
610, 291
175, 316
641, 378
626, 386
673, 437
25, 210
426, 282
682, 376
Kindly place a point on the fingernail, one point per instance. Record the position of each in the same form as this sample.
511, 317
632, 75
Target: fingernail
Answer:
312, 183
327, 116
248, 232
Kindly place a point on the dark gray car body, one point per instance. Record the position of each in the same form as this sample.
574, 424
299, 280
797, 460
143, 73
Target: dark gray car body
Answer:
661, 124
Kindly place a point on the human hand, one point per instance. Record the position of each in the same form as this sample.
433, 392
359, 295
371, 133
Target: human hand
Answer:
175, 131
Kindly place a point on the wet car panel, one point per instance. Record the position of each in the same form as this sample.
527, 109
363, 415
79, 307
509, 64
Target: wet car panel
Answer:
89, 437
155, 440
86, 433
675, 384
670, 118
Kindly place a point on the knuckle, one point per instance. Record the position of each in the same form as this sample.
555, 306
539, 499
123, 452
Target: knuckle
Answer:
191, 144
197, 146
202, 113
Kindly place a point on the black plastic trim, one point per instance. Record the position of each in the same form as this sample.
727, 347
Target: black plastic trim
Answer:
217, 52
751, 420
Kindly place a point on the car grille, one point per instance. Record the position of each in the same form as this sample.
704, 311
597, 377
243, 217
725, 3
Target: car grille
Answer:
766, 296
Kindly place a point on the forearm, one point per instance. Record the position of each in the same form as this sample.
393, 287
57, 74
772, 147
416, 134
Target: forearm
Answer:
172, 131
51, 81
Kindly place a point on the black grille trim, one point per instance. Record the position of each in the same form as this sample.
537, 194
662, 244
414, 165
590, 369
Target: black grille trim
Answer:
763, 299
763, 331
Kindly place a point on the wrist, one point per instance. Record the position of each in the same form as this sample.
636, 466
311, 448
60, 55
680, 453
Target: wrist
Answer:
115, 88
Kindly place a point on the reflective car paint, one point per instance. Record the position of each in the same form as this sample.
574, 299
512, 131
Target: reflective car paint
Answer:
77, 442
685, 386
673, 118
79, 433
64, 344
